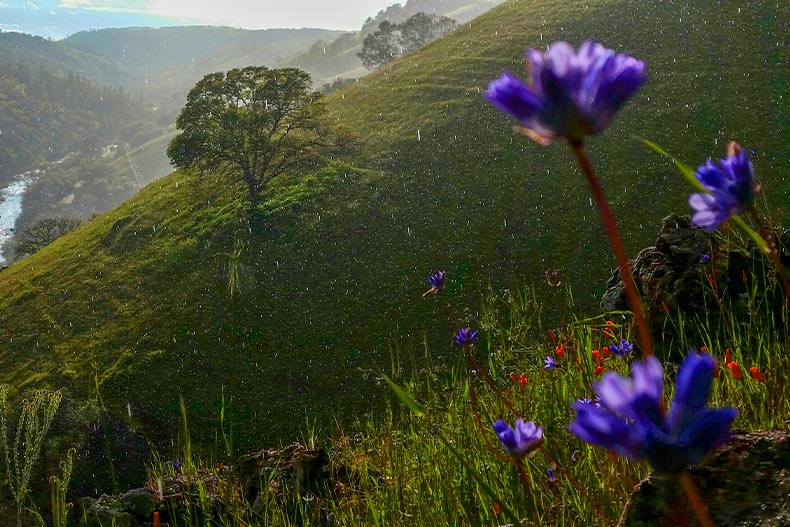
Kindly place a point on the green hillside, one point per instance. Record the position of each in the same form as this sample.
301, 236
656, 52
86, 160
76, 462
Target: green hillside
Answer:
57, 57
331, 277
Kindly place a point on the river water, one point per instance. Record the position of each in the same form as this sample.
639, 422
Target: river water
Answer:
11, 205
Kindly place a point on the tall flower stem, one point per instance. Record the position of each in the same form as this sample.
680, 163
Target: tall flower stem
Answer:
475, 366
526, 483
610, 225
770, 240
693, 495
576, 485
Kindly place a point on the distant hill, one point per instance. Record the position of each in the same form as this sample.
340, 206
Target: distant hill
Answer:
46, 115
328, 60
137, 300
57, 57
459, 10
166, 62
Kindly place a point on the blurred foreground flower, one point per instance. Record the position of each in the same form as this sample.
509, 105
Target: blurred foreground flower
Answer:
632, 421
730, 185
465, 337
756, 374
572, 93
437, 281
522, 440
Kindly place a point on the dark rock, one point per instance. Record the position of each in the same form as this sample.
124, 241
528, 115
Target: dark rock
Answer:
746, 484
686, 270
107, 510
139, 502
670, 271
285, 469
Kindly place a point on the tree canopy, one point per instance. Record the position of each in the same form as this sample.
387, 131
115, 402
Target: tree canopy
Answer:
258, 121
390, 41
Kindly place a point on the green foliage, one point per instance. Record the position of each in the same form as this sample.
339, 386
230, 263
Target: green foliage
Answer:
44, 116
390, 41
256, 121
336, 276
35, 418
59, 488
38, 235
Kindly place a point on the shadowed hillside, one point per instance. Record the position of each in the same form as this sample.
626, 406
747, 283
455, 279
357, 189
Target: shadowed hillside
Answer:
331, 276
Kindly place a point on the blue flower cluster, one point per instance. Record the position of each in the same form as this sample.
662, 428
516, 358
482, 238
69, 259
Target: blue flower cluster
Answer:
631, 420
573, 93
730, 186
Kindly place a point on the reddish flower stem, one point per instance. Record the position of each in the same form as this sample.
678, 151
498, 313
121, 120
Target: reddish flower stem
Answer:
528, 491
474, 365
695, 499
576, 485
610, 225
765, 233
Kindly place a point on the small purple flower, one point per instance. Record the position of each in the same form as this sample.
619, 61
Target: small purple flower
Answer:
730, 186
632, 421
551, 476
437, 281
549, 363
521, 441
623, 349
465, 337
177, 465
572, 93
704, 258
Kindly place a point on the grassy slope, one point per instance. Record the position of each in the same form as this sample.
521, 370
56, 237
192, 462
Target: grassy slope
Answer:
330, 283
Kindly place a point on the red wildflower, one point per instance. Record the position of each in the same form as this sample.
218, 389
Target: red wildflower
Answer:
596, 355
737, 374
496, 508
605, 351
522, 380
553, 336
599, 370
744, 277
513, 376
560, 351
727, 357
758, 376
703, 349
665, 307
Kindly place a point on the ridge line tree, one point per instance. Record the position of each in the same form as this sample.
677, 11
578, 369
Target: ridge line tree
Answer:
255, 121
390, 41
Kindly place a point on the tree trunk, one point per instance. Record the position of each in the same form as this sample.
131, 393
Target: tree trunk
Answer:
253, 189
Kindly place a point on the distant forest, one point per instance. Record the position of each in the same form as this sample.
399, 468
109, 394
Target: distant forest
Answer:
45, 115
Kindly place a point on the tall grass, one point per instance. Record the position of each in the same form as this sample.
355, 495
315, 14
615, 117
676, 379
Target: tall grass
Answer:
444, 466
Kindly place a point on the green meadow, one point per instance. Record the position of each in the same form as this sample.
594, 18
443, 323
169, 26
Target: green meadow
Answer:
278, 321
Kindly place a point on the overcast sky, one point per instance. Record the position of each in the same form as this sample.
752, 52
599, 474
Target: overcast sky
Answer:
58, 18
253, 14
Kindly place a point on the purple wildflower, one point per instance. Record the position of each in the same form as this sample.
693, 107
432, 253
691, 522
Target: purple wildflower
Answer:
572, 93
551, 476
177, 465
436, 280
522, 440
704, 258
549, 363
465, 337
623, 349
633, 423
730, 186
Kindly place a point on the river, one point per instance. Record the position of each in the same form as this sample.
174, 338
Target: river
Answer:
11, 205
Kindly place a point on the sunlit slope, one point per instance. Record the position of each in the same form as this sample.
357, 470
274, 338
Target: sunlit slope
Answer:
329, 281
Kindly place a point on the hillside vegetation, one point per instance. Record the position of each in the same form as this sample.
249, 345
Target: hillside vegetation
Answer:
329, 276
